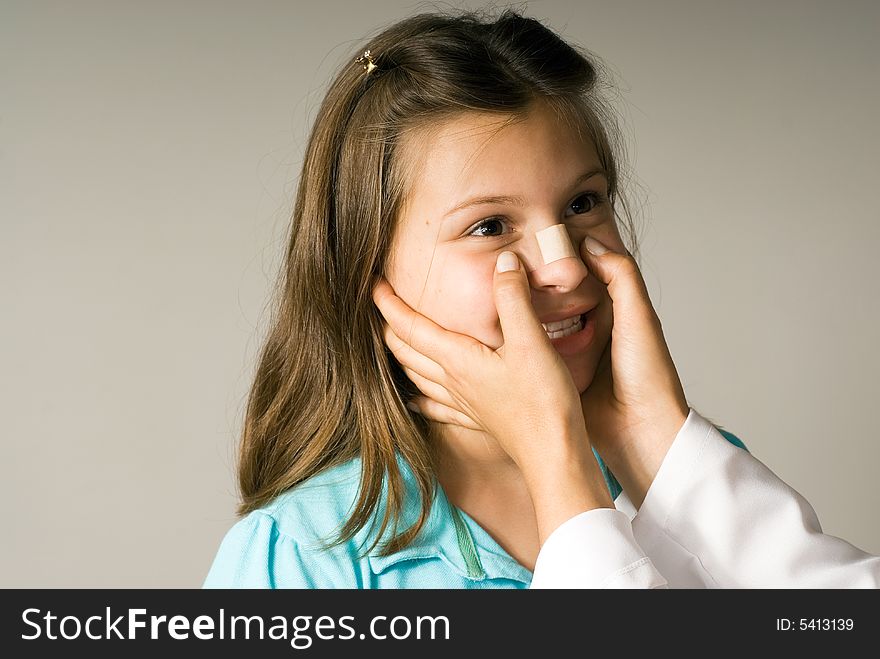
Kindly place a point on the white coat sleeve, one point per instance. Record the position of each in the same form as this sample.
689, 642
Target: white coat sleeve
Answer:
715, 516
595, 549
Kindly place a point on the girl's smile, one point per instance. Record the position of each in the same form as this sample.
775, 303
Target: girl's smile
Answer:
581, 336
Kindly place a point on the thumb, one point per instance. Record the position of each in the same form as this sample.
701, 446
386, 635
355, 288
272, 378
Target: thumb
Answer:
621, 274
519, 322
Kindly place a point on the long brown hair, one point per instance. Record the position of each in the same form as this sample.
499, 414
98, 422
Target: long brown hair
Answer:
325, 389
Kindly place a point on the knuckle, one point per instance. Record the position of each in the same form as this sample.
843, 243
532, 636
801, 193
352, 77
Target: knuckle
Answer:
627, 265
387, 332
412, 375
506, 289
394, 344
452, 366
464, 420
434, 411
470, 357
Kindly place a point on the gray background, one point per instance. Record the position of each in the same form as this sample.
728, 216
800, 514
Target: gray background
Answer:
148, 157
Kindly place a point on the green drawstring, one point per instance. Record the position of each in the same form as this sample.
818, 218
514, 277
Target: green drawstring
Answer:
466, 545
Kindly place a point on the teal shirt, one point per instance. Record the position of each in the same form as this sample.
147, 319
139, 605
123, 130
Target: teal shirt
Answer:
279, 545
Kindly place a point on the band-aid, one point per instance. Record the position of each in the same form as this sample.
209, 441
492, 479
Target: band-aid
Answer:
555, 243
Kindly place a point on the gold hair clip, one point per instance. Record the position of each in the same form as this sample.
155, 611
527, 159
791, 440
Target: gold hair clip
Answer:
367, 60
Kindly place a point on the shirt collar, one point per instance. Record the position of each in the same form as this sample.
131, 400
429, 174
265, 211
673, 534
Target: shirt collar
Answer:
442, 537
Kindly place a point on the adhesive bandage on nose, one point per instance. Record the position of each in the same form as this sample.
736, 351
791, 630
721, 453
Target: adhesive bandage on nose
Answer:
555, 243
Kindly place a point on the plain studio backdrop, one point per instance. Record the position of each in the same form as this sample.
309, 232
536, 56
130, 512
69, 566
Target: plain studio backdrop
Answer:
149, 154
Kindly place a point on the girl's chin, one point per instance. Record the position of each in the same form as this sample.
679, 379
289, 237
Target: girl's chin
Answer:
583, 365
579, 371
583, 381
582, 369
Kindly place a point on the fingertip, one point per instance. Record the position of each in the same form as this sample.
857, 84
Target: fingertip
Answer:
594, 247
507, 262
380, 289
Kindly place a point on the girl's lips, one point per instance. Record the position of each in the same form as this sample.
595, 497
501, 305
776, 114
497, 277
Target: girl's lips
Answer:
577, 342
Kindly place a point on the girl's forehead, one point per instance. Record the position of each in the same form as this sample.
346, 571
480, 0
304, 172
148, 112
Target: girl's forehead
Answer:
480, 153
473, 131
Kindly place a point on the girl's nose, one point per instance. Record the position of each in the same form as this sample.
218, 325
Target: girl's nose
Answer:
559, 265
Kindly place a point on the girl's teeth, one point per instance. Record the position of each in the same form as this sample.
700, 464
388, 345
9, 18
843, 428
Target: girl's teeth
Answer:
561, 324
569, 326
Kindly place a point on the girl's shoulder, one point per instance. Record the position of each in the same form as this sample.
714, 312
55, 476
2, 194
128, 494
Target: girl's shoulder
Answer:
315, 508
284, 544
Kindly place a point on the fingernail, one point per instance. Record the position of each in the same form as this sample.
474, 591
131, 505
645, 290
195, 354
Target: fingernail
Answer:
507, 261
594, 246
412, 406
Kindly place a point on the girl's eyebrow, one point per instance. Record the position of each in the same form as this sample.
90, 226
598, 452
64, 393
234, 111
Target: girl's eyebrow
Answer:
514, 200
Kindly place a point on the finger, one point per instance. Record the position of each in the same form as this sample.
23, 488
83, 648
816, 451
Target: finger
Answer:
636, 326
513, 301
631, 302
419, 332
431, 389
431, 409
408, 356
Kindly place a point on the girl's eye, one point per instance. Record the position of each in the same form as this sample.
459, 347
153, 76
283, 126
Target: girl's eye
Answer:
485, 227
594, 197
490, 222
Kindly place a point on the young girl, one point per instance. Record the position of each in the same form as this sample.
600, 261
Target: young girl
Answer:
465, 384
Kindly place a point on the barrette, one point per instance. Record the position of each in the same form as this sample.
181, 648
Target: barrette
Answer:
367, 60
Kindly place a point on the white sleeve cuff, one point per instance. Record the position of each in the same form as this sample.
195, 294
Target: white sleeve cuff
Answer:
595, 549
680, 465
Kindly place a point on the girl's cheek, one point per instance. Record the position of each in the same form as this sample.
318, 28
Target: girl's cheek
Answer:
467, 299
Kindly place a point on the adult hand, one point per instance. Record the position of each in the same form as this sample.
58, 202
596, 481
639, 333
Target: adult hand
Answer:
635, 405
521, 394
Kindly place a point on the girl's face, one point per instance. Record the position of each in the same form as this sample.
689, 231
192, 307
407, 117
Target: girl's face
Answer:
541, 173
